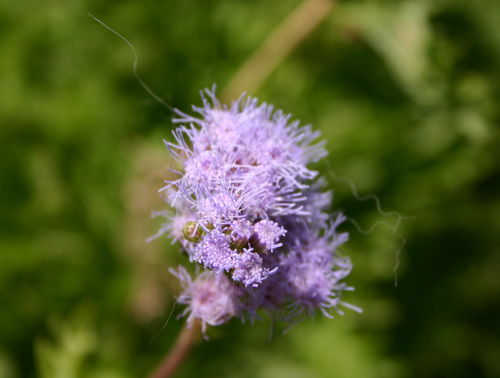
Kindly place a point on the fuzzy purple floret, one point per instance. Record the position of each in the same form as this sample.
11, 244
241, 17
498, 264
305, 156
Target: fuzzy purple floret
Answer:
313, 273
266, 240
266, 235
210, 298
249, 269
214, 252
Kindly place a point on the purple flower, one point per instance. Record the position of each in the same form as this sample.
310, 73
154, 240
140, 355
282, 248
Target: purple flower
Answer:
249, 269
314, 272
253, 215
214, 252
210, 298
266, 235
251, 146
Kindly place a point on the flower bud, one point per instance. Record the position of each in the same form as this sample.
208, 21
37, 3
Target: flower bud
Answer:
192, 232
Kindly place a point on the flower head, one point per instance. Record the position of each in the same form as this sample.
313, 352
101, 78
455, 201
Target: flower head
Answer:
266, 235
214, 252
249, 269
314, 273
251, 212
210, 298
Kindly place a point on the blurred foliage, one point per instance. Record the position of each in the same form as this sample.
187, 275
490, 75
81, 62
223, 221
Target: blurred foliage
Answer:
407, 94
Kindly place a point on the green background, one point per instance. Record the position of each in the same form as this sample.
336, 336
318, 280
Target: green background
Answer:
405, 92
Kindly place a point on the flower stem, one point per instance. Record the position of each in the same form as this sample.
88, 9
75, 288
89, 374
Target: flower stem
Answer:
273, 51
179, 352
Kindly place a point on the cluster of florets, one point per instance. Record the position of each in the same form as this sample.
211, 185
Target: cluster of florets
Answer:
251, 214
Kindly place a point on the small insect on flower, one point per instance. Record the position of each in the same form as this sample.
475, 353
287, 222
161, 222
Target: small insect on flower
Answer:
254, 215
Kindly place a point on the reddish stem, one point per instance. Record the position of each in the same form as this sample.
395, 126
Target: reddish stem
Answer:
179, 352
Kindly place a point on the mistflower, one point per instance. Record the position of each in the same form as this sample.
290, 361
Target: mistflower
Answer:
249, 269
266, 235
252, 214
211, 298
214, 252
